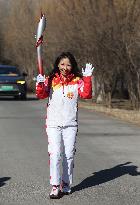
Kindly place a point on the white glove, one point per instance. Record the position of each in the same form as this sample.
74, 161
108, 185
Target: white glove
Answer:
88, 70
40, 78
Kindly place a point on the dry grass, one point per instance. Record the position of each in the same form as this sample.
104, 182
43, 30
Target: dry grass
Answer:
121, 110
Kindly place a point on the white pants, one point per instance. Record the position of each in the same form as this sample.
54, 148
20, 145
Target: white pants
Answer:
61, 143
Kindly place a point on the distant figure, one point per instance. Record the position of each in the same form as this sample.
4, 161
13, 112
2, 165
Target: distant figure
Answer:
62, 88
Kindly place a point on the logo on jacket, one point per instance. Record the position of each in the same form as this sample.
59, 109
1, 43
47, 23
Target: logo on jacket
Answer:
70, 95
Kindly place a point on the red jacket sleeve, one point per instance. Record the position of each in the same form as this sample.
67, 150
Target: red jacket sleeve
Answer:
41, 91
85, 87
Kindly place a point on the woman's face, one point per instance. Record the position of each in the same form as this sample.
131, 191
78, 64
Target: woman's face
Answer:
65, 66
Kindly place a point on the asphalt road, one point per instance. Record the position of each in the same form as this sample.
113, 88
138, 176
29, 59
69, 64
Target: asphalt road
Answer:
107, 162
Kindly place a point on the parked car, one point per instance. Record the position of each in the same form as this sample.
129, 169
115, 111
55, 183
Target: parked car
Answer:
12, 82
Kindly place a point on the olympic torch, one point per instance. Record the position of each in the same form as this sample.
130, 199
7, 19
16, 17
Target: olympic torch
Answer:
39, 41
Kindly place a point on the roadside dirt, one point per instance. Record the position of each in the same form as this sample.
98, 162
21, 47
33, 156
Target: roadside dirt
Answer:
121, 109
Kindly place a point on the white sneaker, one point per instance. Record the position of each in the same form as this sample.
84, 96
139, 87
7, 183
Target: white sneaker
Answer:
55, 192
66, 188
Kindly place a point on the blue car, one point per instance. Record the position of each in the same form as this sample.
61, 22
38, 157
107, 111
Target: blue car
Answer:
12, 82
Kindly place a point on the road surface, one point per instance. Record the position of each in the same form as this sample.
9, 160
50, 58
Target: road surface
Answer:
107, 162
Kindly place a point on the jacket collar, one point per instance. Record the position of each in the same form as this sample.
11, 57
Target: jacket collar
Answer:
63, 80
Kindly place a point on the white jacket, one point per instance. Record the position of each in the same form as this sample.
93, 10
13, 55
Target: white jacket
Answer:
63, 99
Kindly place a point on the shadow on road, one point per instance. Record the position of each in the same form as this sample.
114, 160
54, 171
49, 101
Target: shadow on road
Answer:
106, 176
3, 180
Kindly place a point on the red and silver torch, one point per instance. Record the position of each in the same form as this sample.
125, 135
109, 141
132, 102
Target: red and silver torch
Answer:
39, 42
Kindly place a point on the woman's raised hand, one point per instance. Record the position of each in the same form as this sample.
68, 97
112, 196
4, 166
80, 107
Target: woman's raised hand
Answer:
88, 70
40, 79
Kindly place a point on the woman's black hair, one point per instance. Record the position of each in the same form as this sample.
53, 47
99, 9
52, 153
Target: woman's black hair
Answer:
75, 70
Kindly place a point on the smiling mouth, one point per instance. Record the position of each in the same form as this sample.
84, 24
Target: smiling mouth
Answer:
65, 72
